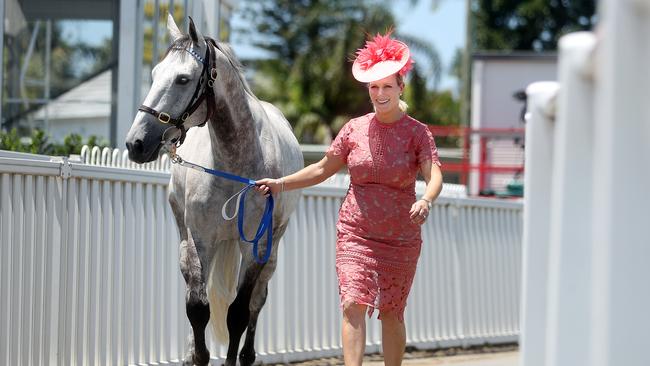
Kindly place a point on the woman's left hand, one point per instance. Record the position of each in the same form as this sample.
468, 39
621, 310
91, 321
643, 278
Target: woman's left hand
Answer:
268, 185
419, 212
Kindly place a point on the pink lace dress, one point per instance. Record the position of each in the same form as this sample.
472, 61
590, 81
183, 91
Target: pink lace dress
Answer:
378, 246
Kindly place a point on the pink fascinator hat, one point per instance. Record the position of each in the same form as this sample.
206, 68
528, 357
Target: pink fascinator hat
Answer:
380, 58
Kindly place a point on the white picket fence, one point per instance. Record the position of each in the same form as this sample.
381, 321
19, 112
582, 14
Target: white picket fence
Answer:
89, 270
586, 248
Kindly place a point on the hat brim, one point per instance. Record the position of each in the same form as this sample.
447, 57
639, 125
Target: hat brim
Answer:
379, 70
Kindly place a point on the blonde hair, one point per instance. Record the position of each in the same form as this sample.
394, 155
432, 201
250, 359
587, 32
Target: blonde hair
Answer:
400, 81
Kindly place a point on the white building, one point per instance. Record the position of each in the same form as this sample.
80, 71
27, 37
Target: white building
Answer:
84, 109
497, 146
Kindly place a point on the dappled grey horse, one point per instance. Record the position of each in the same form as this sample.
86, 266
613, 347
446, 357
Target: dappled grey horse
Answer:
199, 84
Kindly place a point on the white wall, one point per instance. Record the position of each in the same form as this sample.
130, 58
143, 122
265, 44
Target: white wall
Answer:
496, 79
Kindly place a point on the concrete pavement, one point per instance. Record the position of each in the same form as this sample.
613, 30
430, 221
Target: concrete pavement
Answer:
481, 359
481, 355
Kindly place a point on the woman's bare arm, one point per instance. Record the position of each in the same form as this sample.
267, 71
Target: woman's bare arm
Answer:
306, 177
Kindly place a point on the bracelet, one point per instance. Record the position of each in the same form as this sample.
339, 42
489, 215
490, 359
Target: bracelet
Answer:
281, 180
427, 201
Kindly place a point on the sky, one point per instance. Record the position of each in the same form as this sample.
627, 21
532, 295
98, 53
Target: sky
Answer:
92, 32
443, 27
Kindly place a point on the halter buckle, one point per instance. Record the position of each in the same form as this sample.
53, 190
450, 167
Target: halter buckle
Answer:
211, 83
176, 159
213, 74
164, 117
184, 117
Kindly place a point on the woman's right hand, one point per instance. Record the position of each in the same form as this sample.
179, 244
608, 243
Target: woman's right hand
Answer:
266, 185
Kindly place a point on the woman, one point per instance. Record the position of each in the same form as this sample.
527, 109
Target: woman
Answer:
378, 230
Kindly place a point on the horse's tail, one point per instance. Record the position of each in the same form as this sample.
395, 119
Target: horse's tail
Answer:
222, 286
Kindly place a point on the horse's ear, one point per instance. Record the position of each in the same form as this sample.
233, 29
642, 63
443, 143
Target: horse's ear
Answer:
174, 32
196, 36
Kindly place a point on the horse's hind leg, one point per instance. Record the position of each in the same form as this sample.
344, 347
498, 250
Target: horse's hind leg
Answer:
244, 314
239, 311
194, 266
257, 301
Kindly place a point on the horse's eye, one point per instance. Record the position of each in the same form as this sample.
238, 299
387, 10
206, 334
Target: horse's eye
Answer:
182, 80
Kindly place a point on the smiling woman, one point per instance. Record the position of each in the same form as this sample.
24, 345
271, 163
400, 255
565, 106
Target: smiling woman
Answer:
385, 93
378, 230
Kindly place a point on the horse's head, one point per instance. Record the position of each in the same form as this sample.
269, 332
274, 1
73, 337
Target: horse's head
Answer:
174, 103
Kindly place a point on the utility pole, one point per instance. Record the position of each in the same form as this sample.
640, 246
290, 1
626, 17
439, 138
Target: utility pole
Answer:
467, 71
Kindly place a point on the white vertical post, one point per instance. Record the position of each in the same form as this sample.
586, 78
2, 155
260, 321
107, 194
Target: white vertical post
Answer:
621, 250
209, 20
56, 301
537, 180
477, 114
128, 80
569, 269
2, 51
197, 13
217, 17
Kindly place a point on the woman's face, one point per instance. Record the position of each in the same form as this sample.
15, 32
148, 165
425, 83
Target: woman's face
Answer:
384, 94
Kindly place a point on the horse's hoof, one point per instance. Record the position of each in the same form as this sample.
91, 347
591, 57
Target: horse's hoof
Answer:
230, 363
246, 359
197, 361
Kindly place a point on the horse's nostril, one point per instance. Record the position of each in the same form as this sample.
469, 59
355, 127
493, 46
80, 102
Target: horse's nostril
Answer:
138, 145
135, 147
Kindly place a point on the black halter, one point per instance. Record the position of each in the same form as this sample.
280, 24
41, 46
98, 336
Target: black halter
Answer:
208, 73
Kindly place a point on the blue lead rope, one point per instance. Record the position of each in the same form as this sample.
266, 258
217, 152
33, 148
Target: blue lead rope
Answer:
266, 223
221, 174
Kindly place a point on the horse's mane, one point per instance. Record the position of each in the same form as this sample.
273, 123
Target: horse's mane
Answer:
185, 43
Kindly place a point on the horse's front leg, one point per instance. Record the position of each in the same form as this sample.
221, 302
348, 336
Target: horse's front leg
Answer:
194, 267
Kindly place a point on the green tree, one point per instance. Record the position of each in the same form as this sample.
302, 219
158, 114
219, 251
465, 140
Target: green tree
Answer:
528, 25
310, 45
432, 107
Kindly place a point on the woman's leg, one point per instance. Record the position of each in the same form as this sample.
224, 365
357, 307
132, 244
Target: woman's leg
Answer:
393, 339
354, 333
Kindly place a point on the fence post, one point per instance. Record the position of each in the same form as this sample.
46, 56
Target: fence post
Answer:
537, 180
460, 277
620, 296
569, 268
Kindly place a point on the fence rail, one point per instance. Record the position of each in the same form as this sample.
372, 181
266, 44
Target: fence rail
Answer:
89, 270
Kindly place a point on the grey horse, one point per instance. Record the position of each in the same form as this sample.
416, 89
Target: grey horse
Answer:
242, 135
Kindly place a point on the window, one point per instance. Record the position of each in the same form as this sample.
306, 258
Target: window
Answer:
57, 74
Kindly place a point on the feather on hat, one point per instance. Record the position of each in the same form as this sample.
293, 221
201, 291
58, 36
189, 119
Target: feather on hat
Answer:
381, 57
